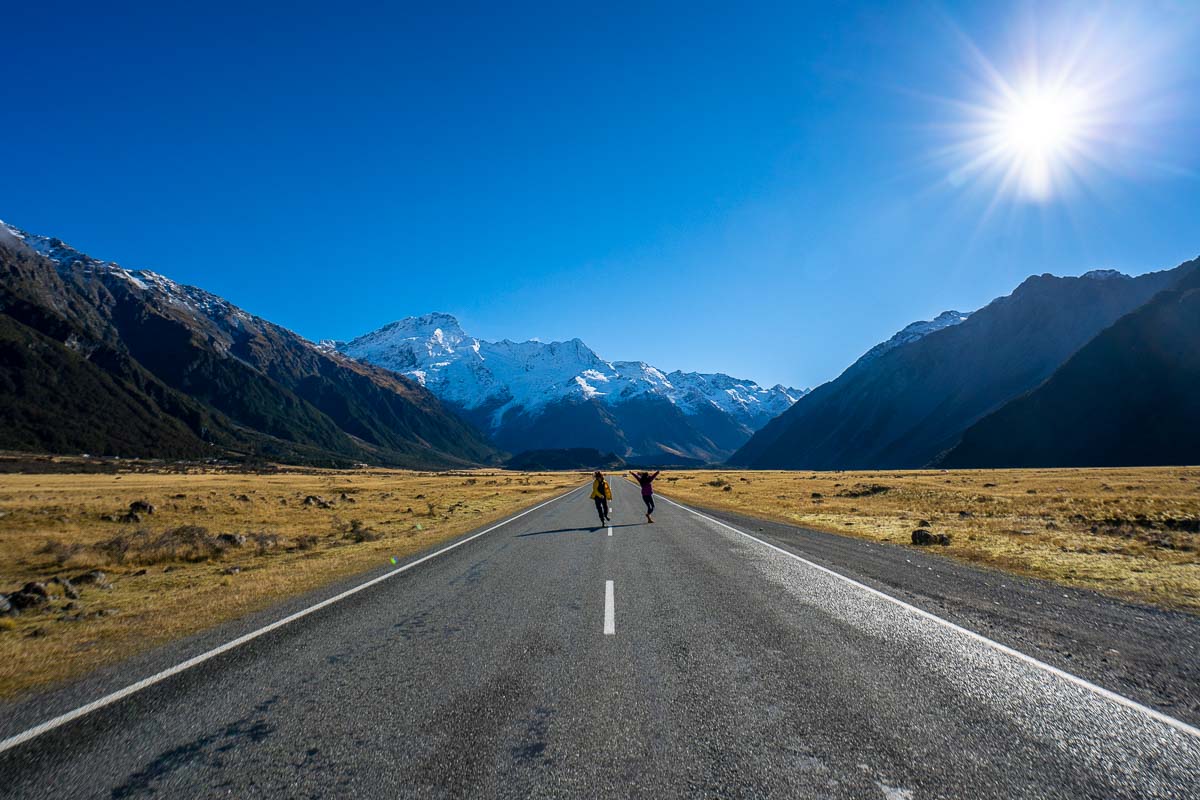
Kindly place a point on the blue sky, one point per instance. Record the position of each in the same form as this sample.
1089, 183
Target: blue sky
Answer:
764, 190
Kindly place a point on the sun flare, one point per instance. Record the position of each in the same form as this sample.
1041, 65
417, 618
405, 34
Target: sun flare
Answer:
1063, 104
1037, 134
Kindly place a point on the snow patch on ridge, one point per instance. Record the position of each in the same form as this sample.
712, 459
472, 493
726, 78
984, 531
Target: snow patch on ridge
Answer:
913, 332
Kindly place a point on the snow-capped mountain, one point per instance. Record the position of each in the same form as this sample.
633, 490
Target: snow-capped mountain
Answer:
505, 386
914, 331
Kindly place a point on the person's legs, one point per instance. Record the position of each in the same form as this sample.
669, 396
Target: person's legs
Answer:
601, 508
649, 501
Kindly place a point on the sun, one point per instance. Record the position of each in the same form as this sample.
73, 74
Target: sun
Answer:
1063, 104
1036, 134
1039, 125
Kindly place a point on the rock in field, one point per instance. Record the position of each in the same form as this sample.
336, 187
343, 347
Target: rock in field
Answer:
319, 502
924, 537
31, 595
141, 507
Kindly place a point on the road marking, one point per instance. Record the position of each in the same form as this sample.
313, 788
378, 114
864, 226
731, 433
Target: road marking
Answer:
133, 688
610, 530
610, 617
1134, 705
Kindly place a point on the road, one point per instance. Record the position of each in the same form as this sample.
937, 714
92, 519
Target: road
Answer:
549, 658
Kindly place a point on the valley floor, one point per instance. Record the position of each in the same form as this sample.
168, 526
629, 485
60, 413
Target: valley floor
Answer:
1130, 533
217, 545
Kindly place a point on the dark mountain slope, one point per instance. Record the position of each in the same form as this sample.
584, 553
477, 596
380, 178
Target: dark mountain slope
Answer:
1130, 397
906, 406
56, 401
211, 375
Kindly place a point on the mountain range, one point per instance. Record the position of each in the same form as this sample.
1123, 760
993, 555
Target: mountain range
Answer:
96, 358
1096, 370
544, 395
1070, 371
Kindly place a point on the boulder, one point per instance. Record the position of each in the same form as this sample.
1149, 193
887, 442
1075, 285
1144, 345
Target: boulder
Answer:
232, 539
141, 507
6, 607
23, 600
923, 537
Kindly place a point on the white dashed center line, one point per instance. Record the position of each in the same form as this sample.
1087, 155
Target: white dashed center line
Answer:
610, 617
610, 530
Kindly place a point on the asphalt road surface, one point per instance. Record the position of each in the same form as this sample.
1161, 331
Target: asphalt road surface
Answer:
552, 658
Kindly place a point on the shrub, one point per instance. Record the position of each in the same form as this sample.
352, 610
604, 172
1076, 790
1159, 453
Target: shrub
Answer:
359, 533
60, 552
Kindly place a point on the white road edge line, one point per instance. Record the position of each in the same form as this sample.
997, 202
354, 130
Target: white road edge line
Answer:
1134, 705
133, 688
610, 616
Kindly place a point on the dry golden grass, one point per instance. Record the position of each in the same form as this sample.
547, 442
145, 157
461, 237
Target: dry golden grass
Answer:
172, 576
1131, 533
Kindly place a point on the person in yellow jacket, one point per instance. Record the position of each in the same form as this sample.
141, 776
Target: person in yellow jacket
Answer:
601, 493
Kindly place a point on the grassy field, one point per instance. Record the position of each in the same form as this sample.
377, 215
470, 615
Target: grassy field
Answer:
216, 546
219, 544
1131, 533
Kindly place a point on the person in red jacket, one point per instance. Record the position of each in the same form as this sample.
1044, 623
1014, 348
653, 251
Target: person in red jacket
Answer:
647, 482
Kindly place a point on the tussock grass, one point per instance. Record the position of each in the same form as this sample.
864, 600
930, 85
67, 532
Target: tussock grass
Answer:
1131, 533
216, 546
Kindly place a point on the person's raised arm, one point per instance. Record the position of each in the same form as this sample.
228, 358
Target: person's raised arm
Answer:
655, 475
